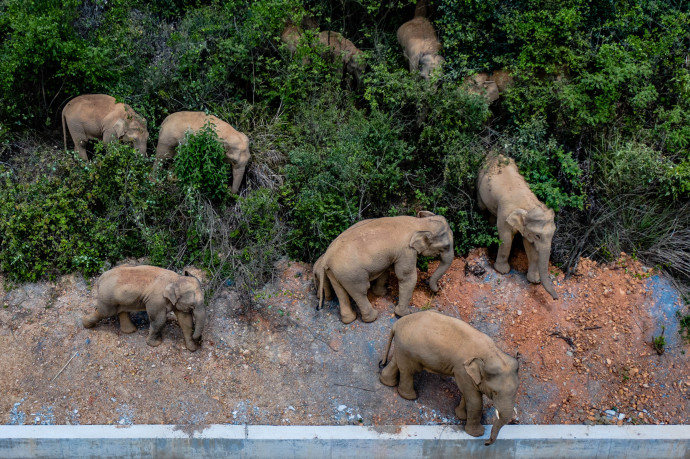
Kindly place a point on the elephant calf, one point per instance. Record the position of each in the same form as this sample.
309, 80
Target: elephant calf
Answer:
343, 49
158, 291
445, 345
505, 193
364, 253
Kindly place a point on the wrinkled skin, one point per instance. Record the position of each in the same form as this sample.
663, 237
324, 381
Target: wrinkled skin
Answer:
431, 341
360, 257
235, 143
505, 193
100, 117
341, 47
158, 291
420, 46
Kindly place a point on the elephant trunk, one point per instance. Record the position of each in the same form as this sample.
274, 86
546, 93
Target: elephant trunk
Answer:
140, 146
237, 175
504, 413
446, 260
544, 274
199, 320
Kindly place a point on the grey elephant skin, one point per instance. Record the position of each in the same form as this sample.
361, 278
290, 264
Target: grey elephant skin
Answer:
362, 255
445, 345
101, 117
420, 44
126, 289
235, 144
504, 192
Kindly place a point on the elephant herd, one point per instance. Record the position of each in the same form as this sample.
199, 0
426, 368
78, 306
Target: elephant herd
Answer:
100, 117
360, 259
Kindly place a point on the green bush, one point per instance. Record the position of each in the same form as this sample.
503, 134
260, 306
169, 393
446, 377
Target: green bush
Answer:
200, 163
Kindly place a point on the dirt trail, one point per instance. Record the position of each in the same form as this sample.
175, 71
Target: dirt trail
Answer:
287, 363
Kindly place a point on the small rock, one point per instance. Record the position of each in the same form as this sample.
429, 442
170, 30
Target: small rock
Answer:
291, 408
621, 416
519, 312
610, 412
341, 407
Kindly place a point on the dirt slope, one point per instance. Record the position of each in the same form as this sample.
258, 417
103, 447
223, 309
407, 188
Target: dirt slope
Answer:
286, 363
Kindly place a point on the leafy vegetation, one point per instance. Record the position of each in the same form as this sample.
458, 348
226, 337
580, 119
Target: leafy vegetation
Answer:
597, 118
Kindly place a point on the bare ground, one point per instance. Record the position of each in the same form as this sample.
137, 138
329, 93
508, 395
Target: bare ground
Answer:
285, 363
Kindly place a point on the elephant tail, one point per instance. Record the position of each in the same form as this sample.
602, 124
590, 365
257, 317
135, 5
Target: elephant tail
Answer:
384, 358
64, 133
320, 293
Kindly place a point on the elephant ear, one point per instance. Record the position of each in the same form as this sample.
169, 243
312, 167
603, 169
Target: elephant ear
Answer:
420, 240
475, 368
119, 128
425, 214
516, 219
172, 292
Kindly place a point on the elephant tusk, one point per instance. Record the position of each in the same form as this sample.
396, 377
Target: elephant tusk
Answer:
498, 416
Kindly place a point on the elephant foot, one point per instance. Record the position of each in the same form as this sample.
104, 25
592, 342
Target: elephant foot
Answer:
533, 277
154, 342
474, 429
370, 316
347, 317
502, 267
89, 321
401, 311
191, 346
461, 413
390, 380
407, 394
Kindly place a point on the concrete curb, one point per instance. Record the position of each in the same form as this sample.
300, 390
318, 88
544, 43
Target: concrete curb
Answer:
515, 441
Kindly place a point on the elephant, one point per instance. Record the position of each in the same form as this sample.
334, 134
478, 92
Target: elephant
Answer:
351, 56
420, 45
235, 143
100, 117
482, 85
158, 291
431, 341
362, 255
504, 193
291, 35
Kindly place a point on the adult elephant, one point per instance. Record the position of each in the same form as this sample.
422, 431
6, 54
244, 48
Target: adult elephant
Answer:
431, 341
101, 117
363, 254
505, 193
235, 143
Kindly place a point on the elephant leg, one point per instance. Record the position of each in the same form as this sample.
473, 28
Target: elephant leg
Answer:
407, 279
347, 315
79, 138
461, 409
389, 375
358, 291
406, 385
157, 323
102, 311
506, 236
473, 404
379, 284
533, 261
187, 326
126, 325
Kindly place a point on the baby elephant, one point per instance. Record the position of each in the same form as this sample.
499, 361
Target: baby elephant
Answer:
440, 344
156, 290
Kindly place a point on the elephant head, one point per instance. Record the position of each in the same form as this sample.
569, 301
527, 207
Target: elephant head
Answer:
428, 63
238, 158
537, 227
496, 376
434, 238
186, 295
132, 130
